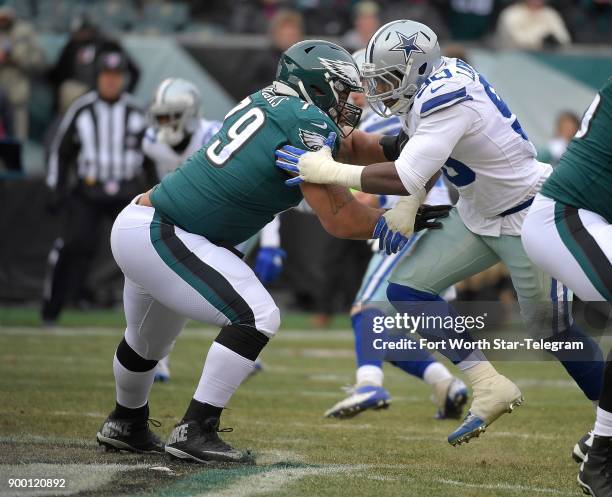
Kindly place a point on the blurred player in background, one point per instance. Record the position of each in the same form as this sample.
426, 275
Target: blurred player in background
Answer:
457, 123
176, 132
449, 393
568, 233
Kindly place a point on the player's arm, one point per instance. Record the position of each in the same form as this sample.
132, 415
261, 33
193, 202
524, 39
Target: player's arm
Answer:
340, 213
422, 157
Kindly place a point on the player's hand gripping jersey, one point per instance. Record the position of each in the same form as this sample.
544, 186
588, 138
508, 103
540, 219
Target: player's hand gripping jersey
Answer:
458, 119
230, 189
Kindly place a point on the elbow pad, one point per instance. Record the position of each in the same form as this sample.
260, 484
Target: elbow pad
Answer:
393, 145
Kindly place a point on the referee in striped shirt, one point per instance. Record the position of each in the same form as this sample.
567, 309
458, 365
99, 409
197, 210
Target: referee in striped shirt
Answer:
95, 168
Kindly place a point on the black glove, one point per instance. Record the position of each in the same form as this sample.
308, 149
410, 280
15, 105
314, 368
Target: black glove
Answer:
426, 213
392, 145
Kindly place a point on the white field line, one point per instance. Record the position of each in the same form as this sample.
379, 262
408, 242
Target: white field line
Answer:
525, 490
79, 477
269, 482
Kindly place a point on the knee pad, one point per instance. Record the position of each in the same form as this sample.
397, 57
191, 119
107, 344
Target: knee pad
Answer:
132, 360
246, 341
402, 293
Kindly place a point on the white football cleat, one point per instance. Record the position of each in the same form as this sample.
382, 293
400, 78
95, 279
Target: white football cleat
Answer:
492, 397
360, 399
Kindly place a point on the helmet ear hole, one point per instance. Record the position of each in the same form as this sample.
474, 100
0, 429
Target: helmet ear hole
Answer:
422, 69
317, 90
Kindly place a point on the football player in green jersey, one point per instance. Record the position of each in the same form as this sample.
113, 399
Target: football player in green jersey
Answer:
568, 233
175, 245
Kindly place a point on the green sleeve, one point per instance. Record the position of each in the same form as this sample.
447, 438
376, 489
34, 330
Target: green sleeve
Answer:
312, 128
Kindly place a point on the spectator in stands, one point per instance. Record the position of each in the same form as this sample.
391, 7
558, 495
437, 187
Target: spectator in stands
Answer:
589, 21
20, 58
469, 21
366, 22
285, 29
567, 125
95, 168
74, 72
531, 25
6, 117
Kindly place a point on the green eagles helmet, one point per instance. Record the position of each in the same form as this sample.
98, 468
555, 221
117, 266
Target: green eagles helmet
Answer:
322, 74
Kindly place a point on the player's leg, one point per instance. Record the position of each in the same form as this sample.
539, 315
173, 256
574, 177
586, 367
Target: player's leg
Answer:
441, 258
162, 373
70, 257
149, 337
595, 475
370, 303
546, 309
572, 245
213, 285
199, 280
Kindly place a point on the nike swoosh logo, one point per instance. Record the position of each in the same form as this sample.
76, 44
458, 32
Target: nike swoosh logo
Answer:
322, 126
434, 90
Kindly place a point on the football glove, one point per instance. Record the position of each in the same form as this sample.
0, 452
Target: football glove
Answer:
317, 167
269, 263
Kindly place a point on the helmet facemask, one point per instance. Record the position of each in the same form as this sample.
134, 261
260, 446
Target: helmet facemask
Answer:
344, 113
170, 127
388, 89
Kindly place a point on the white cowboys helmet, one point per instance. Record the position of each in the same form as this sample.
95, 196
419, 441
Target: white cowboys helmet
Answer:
175, 110
398, 59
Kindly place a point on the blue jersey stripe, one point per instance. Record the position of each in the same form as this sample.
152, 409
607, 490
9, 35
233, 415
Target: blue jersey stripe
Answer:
445, 100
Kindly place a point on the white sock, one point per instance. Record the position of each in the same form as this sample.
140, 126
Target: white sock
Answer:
603, 423
132, 387
435, 373
370, 375
224, 371
472, 360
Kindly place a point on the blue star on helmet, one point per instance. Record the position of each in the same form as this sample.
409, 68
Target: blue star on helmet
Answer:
408, 45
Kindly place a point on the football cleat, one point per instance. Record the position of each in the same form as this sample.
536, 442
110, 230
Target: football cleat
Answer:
162, 371
359, 400
200, 442
595, 476
132, 435
493, 397
582, 447
450, 396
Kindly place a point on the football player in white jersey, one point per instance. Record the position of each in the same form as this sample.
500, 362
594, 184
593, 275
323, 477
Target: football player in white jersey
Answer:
176, 132
449, 393
457, 123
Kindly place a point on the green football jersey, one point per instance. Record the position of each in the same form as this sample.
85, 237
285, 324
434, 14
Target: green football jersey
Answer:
583, 178
231, 188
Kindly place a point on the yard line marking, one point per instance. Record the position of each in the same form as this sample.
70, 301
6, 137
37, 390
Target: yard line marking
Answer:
269, 482
505, 486
79, 477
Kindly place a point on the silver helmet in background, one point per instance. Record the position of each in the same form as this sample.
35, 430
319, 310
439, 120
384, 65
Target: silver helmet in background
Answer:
398, 59
175, 110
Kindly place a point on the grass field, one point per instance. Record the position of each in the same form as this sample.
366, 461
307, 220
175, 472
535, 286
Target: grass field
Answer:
56, 387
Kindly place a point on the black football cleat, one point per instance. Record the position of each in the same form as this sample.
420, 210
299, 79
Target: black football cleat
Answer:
582, 447
132, 435
200, 442
595, 476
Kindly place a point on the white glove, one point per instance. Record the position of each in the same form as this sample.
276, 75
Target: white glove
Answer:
396, 225
318, 167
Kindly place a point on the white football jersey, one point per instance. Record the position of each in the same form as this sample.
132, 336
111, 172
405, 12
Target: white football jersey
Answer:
165, 157
372, 122
459, 123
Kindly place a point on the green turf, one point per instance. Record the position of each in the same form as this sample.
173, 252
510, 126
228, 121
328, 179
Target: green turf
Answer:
29, 316
56, 386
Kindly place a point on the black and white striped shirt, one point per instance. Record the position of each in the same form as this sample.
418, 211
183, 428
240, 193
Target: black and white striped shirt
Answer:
102, 138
